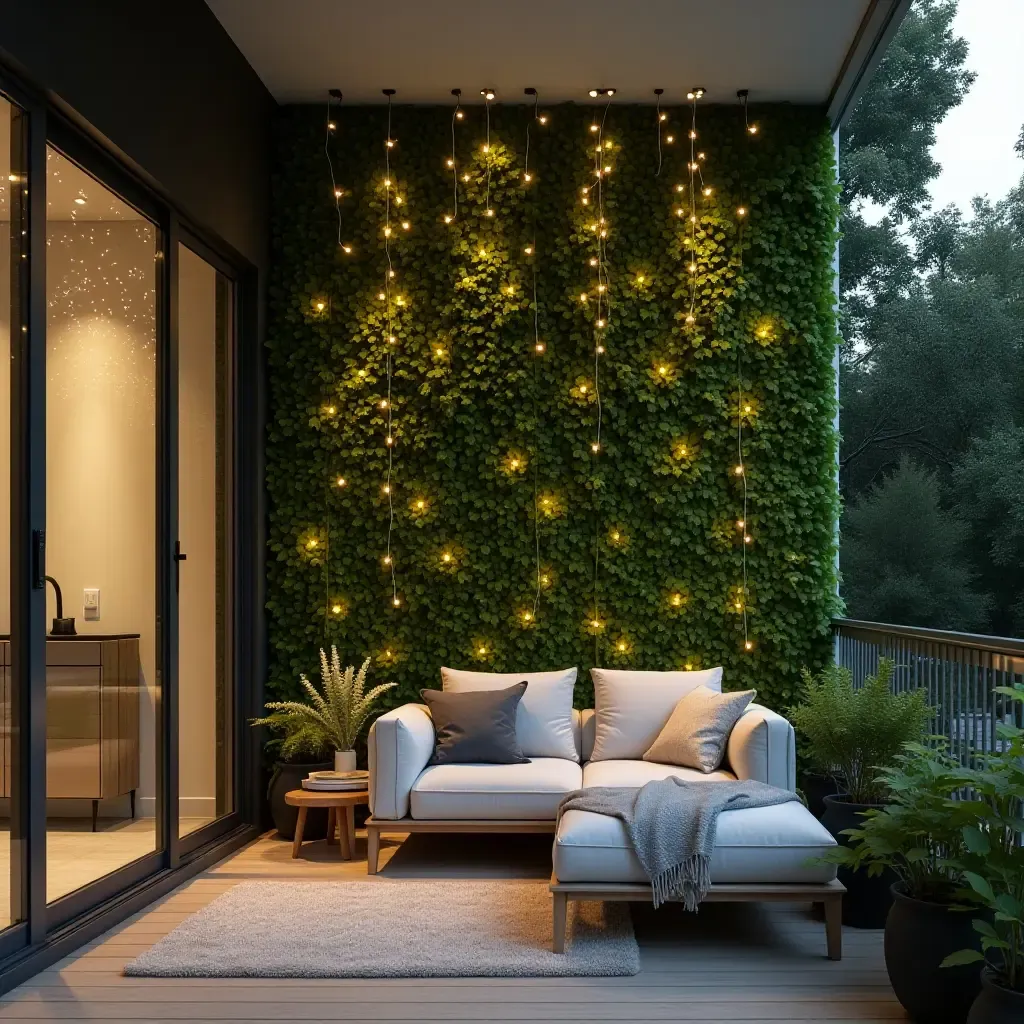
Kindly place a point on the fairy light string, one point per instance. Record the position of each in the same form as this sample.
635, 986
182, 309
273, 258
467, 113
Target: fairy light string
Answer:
601, 318
659, 120
329, 129
538, 350
694, 168
743, 524
390, 341
488, 95
452, 160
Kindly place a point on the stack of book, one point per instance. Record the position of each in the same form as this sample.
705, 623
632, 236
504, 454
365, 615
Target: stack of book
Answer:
336, 781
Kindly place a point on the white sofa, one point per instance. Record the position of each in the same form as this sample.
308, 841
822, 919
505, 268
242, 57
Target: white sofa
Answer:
760, 853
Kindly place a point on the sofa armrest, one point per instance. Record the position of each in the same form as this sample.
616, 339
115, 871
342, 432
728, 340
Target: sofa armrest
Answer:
762, 746
399, 746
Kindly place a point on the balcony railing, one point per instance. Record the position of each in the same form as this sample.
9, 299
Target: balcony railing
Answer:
957, 670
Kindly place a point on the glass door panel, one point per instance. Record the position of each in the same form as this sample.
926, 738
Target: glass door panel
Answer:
205, 304
8, 245
102, 696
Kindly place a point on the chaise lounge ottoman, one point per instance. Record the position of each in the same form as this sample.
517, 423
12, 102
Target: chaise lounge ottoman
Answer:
760, 854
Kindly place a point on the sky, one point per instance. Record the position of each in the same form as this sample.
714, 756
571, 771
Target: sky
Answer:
974, 144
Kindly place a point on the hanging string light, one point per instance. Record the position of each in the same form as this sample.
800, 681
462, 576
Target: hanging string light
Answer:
389, 275
658, 121
601, 317
488, 95
538, 350
456, 116
330, 128
694, 167
744, 95
602, 313
742, 524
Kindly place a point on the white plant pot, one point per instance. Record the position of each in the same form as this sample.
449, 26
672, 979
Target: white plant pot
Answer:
344, 760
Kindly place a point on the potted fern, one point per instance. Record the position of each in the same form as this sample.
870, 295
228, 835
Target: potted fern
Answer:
329, 722
918, 836
852, 733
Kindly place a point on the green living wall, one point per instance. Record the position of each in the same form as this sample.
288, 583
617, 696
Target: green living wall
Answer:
514, 545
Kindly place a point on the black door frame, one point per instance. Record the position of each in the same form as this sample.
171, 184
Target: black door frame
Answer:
45, 932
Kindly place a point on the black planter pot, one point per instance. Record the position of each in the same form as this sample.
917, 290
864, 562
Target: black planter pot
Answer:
815, 789
868, 898
996, 1004
287, 777
918, 936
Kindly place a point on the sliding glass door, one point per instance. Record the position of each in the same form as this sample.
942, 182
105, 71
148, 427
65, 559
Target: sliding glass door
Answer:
119, 605
103, 800
205, 562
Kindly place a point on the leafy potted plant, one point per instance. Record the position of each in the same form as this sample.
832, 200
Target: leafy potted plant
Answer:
993, 865
918, 836
331, 721
853, 732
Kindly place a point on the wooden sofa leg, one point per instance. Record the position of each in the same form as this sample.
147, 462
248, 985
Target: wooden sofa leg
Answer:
560, 907
834, 927
372, 849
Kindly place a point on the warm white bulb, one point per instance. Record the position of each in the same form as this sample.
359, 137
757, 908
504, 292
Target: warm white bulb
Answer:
663, 117
406, 225
450, 162
489, 213
331, 126
448, 218
342, 482
539, 347
528, 250
527, 177
347, 249
670, 138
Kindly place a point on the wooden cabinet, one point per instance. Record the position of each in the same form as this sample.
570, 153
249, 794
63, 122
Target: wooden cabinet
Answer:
92, 717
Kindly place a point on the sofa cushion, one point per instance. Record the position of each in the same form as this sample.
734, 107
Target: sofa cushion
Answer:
767, 845
501, 792
633, 707
544, 721
477, 726
638, 773
698, 729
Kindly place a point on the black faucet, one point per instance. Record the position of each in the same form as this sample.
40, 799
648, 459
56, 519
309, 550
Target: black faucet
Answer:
61, 626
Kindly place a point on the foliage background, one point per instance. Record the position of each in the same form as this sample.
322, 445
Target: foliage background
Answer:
764, 296
932, 377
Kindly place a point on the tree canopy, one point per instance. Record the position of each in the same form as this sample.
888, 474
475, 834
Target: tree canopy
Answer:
931, 380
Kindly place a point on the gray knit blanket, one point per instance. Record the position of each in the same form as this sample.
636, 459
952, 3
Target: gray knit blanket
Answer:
672, 824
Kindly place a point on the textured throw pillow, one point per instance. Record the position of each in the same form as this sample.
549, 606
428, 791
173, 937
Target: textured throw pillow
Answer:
544, 717
632, 707
476, 727
697, 731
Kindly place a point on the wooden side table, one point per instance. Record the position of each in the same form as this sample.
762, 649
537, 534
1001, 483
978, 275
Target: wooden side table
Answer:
341, 814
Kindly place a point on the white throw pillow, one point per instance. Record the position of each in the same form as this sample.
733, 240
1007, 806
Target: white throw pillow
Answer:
544, 716
633, 707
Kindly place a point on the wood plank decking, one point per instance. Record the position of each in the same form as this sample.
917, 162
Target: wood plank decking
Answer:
729, 963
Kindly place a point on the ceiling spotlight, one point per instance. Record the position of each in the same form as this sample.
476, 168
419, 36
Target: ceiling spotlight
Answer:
488, 94
593, 94
80, 201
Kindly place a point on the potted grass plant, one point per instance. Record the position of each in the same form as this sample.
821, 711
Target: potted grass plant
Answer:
993, 867
328, 724
917, 836
852, 733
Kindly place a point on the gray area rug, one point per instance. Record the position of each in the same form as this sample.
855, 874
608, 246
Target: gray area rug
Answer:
391, 929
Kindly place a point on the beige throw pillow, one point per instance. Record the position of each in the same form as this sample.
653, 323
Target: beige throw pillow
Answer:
697, 731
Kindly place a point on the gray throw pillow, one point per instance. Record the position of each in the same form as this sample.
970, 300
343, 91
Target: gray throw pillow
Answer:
476, 726
697, 731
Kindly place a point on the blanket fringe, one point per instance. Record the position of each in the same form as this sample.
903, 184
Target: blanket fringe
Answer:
687, 882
